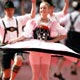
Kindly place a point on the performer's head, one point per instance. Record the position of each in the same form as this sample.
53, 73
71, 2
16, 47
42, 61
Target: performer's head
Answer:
44, 9
9, 8
76, 5
52, 6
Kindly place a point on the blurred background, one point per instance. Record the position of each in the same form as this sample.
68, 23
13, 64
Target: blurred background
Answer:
24, 6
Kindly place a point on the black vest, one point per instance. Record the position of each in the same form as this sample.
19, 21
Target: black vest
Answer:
42, 33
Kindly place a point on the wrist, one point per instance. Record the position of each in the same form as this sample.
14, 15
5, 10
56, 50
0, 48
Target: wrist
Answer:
33, 1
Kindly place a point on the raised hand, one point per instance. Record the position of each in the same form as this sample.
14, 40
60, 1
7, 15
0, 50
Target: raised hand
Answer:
33, 1
66, 1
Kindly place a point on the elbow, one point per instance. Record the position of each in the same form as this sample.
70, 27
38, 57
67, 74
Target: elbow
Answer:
33, 15
64, 36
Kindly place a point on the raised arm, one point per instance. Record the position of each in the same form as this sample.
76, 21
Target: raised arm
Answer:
33, 9
65, 9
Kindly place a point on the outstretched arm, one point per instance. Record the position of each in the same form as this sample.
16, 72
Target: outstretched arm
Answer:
61, 37
65, 9
20, 38
33, 9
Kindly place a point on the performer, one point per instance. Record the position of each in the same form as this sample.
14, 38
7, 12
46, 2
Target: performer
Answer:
58, 15
72, 23
42, 29
11, 27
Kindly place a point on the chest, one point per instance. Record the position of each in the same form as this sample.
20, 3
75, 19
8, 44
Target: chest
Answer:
10, 23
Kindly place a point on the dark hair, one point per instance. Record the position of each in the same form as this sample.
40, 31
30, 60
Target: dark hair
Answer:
9, 4
45, 3
76, 6
50, 2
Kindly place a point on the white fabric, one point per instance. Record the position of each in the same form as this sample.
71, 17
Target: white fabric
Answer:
55, 28
39, 44
66, 21
57, 16
11, 22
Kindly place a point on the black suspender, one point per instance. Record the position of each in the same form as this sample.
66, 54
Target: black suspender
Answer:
72, 22
5, 32
8, 29
17, 28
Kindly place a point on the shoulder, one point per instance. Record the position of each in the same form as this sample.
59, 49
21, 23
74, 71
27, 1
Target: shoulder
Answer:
1, 22
2, 19
23, 16
32, 22
58, 13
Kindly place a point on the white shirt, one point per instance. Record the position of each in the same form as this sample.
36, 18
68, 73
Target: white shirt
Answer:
66, 21
55, 28
57, 16
11, 22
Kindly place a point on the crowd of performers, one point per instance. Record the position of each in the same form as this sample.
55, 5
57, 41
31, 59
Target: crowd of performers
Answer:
57, 27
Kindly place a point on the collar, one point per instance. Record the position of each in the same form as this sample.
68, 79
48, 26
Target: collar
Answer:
7, 18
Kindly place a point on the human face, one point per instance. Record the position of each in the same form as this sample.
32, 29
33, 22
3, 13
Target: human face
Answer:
51, 10
9, 12
44, 10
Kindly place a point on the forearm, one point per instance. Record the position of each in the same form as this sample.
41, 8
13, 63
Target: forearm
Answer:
33, 9
66, 6
21, 38
58, 38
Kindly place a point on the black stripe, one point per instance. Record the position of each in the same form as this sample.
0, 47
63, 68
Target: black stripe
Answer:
22, 50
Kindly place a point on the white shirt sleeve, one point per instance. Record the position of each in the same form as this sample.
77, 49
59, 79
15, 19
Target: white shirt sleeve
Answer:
23, 19
2, 30
1, 38
65, 21
57, 30
61, 30
59, 15
28, 30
